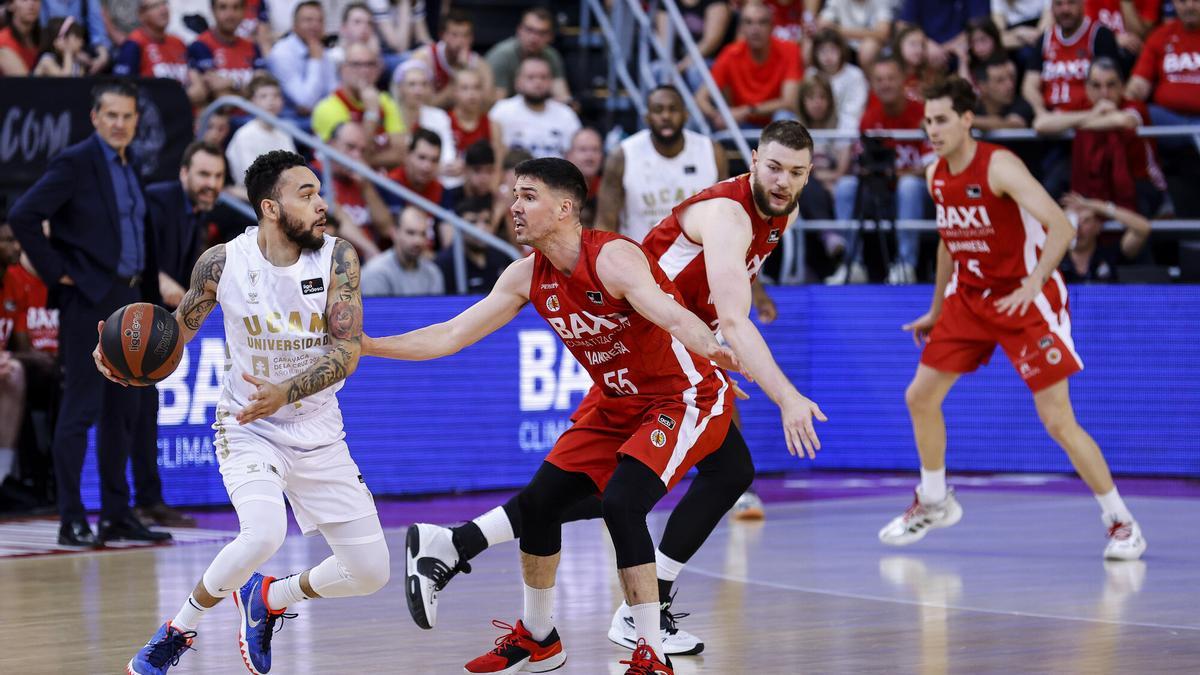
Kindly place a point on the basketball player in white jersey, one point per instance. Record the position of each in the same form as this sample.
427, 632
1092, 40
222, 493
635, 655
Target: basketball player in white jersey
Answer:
290, 298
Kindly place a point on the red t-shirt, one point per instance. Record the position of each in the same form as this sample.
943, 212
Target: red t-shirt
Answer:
1170, 61
27, 54
910, 155
750, 82
788, 21
432, 192
1108, 12
464, 139
142, 55
23, 310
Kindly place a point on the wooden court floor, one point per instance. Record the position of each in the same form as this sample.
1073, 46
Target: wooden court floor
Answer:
1018, 586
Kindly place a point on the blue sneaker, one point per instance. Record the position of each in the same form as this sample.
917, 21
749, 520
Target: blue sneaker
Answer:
161, 652
259, 623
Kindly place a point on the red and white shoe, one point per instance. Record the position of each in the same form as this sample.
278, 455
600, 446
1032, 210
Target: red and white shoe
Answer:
645, 662
518, 652
1125, 541
920, 518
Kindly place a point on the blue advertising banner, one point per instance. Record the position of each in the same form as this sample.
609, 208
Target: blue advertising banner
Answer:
485, 418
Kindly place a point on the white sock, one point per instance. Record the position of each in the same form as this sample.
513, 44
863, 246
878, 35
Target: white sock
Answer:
496, 527
6, 462
539, 612
1114, 507
645, 622
668, 569
285, 592
189, 615
933, 485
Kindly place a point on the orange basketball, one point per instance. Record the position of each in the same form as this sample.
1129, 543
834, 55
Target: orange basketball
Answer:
140, 343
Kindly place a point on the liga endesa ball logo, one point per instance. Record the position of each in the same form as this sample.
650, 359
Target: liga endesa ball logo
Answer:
134, 331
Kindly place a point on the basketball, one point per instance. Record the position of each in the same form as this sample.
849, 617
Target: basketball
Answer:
140, 343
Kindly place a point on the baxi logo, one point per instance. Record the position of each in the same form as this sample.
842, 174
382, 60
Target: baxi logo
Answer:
963, 217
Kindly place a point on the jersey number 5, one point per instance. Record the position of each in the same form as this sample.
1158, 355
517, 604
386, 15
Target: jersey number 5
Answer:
615, 380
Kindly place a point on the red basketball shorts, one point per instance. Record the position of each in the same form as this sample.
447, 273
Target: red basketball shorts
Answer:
1038, 344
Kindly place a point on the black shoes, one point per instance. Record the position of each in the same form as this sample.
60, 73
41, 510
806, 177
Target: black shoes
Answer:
76, 533
128, 528
161, 514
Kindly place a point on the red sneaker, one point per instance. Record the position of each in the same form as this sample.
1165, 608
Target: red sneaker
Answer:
518, 652
645, 662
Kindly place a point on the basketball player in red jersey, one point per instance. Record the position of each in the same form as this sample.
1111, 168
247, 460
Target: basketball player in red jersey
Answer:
717, 239
997, 282
663, 409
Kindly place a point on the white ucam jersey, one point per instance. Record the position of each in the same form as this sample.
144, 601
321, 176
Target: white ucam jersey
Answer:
655, 184
275, 328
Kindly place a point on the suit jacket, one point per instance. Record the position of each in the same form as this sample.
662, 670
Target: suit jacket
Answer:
180, 235
76, 195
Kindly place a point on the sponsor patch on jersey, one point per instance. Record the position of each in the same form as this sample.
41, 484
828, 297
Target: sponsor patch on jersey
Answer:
252, 275
666, 421
689, 169
1053, 356
310, 286
552, 303
975, 192
1046, 342
549, 287
595, 297
361, 479
773, 237
658, 438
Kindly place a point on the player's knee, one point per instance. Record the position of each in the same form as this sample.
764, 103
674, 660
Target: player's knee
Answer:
920, 398
369, 574
1059, 426
262, 540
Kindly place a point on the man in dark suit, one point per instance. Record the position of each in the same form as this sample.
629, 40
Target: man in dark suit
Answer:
178, 210
99, 255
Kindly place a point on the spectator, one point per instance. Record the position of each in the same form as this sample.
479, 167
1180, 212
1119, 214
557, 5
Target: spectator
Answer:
480, 179
225, 61
20, 37
863, 24
362, 214
911, 46
533, 38
300, 62
13, 314
1169, 68
944, 23
469, 121
452, 55
1021, 24
412, 82
122, 18
831, 54
1109, 161
1056, 77
405, 270
788, 19
531, 119
830, 159
358, 100
707, 22
759, 75
256, 26
1143, 15
218, 127
484, 264
984, 44
258, 136
402, 24
189, 18
96, 259
151, 52
888, 108
95, 34
419, 170
999, 106
1094, 256
63, 53
357, 28
586, 152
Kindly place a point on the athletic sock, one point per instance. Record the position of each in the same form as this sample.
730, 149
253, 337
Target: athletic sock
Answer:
539, 612
495, 526
668, 571
664, 591
646, 623
468, 540
933, 485
189, 615
285, 592
1113, 507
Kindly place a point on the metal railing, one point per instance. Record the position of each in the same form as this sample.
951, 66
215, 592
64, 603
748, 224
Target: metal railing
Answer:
326, 153
1021, 135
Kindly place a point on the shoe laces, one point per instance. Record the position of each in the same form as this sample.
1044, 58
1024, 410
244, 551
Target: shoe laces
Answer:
272, 625
170, 648
669, 618
913, 509
643, 660
442, 574
1120, 531
507, 641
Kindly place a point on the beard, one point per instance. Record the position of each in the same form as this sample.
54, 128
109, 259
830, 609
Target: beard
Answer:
302, 236
666, 140
763, 200
536, 99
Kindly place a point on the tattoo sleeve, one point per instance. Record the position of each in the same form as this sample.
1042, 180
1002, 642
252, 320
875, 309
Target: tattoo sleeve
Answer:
201, 295
344, 310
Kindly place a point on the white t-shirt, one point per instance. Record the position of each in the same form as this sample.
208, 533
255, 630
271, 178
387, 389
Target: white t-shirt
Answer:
438, 121
545, 133
849, 95
655, 184
863, 14
252, 140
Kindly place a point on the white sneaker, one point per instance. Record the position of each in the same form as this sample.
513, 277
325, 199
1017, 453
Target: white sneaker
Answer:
900, 274
920, 518
858, 275
1125, 541
748, 507
676, 642
431, 561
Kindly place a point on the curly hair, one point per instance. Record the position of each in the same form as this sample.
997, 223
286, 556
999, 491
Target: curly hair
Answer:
960, 92
262, 178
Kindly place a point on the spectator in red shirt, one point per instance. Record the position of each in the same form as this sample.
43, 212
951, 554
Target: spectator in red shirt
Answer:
225, 61
20, 37
759, 75
887, 108
452, 55
911, 49
1168, 71
363, 216
150, 52
469, 122
1129, 20
420, 168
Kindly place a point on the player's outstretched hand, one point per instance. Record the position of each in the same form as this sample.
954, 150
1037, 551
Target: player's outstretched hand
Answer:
1019, 300
725, 358
738, 392
798, 414
266, 399
765, 306
108, 374
920, 328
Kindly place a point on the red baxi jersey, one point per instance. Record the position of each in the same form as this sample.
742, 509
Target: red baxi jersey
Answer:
464, 139
1065, 63
236, 61
1170, 61
142, 56
683, 259
625, 353
1108, 12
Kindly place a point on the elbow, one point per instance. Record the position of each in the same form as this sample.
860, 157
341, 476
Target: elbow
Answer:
733, 326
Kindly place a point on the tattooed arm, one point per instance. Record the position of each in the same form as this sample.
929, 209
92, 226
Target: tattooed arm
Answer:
201, 295
343, 312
